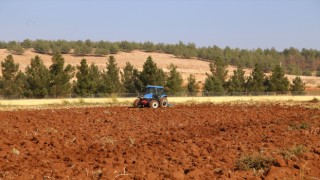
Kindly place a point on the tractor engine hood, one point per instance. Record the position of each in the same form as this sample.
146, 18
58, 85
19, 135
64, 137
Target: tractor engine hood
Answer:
148, 96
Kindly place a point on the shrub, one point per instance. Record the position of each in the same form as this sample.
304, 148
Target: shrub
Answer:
255, 162
295, 151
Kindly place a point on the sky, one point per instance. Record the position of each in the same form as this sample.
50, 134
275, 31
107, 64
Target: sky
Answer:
245, 24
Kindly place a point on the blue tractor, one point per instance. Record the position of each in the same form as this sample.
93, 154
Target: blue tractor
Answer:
154, 97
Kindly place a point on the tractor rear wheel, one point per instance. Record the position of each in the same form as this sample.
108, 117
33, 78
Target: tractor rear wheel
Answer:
154, 104
136, 103
163, 102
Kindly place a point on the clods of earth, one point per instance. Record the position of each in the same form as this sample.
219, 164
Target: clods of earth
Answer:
183, 142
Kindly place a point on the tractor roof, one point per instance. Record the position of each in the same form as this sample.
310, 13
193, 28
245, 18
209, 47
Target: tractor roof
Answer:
158, 87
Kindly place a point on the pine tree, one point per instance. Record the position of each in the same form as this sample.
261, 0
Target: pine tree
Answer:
256, 80
174, 80
190, 51
9, 68
95, 79
101, 51
216, 81
213, 85
294, 69
16, 49
161, 77
42, 46
278, 81
151, 75
126, 46
82, 84
55, 49
130, 79
27, 43
298, 86
37, 79
11, 82
237, 82
149, 46
111, 80
218, 69
82, 50
192, 85
64, 46
266, 84
60, 77
114, 48
19, 83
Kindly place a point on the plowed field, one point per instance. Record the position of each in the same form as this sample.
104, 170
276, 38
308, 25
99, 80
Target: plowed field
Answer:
183, 142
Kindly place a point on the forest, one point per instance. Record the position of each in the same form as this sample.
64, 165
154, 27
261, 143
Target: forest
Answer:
296, 62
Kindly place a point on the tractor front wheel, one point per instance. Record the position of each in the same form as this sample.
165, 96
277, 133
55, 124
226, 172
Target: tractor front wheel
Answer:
163, 102
154, 104
136, 103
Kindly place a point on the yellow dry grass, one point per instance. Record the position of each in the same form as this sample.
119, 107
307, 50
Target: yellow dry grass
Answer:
173, 100
137, 58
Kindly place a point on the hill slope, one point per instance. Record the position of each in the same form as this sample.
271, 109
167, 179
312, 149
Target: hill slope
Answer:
137, 58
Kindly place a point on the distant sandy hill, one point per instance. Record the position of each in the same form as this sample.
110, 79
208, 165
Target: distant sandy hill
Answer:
137, 58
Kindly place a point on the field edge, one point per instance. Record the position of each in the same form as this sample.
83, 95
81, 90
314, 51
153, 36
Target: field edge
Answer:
172, 100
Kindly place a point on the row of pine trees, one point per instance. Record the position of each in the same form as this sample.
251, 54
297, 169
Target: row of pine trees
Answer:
217, 83
84, 80
294, 61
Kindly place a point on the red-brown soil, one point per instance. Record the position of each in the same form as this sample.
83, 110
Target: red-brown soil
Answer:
181, 142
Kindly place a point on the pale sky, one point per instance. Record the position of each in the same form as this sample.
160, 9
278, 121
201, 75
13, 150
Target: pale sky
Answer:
246, 24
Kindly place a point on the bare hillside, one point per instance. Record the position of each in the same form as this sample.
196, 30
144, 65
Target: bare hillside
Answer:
137, 58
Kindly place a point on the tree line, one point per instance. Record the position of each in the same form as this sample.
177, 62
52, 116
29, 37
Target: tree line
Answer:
84, 80
217, 82
293, 61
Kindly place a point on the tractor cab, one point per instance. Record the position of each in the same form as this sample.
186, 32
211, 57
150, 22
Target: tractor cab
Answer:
154, 92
